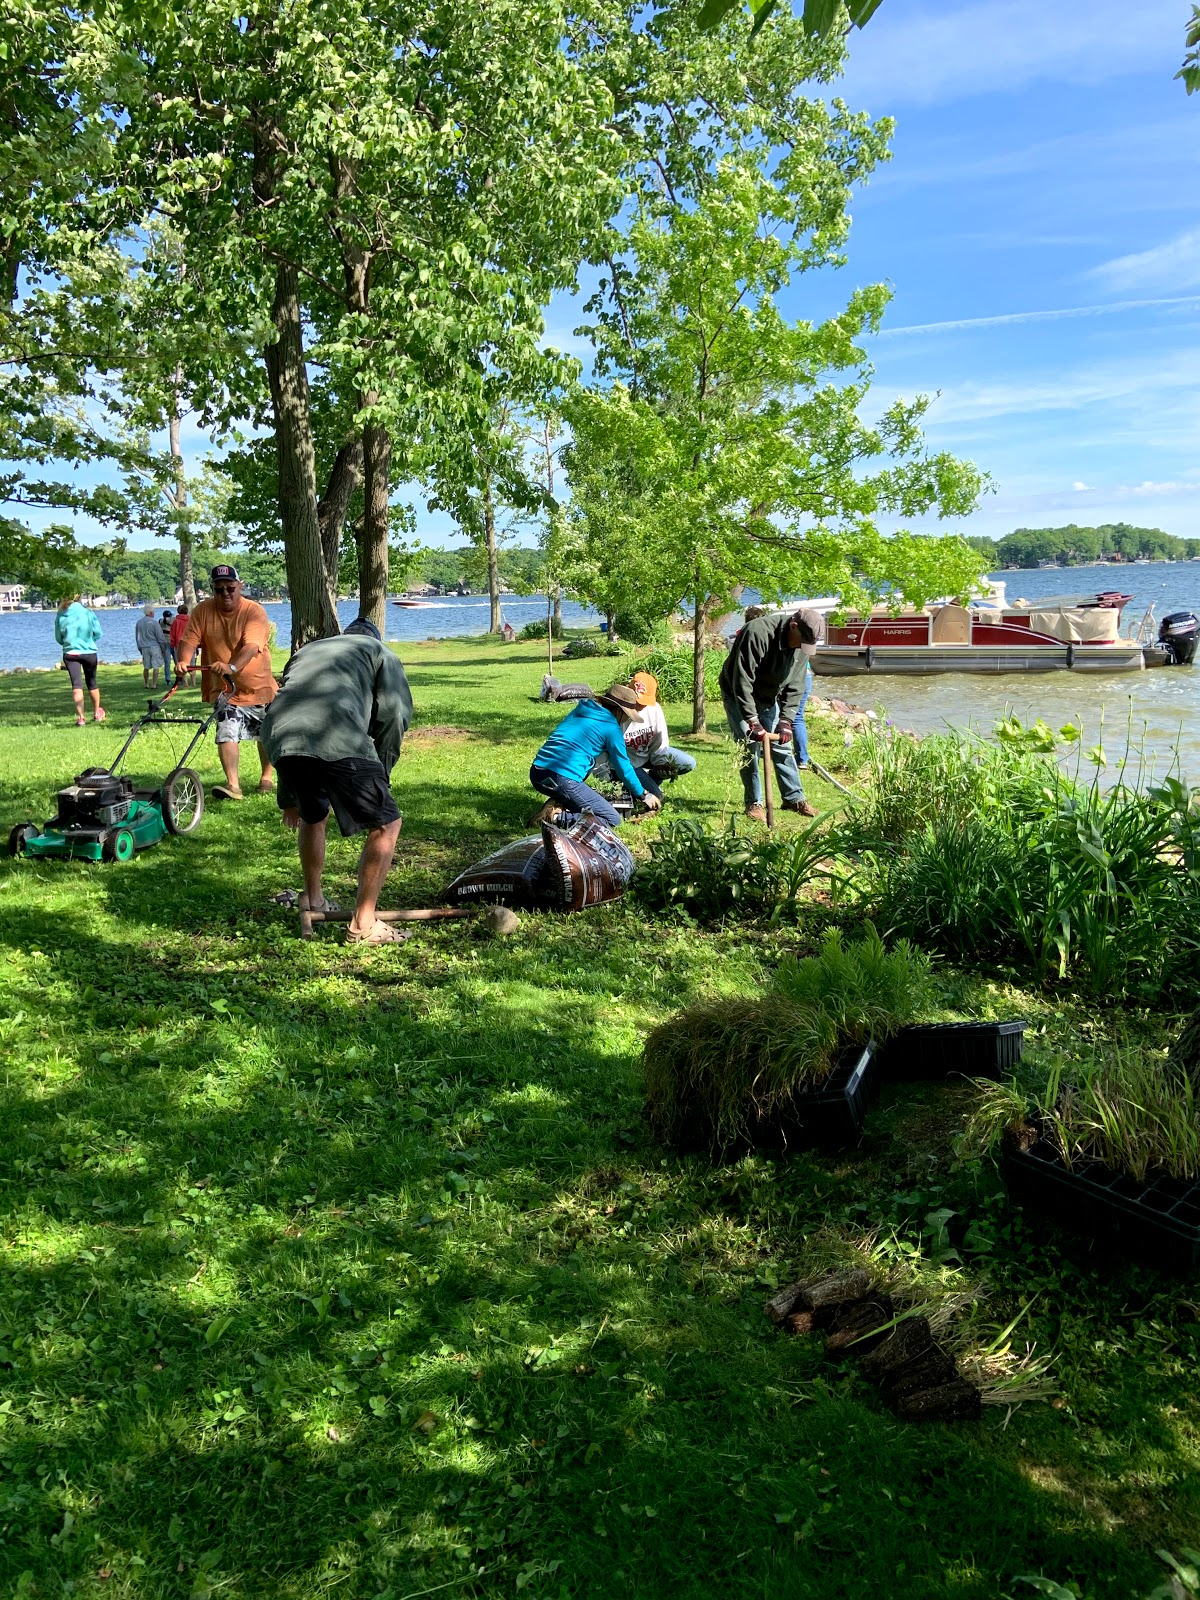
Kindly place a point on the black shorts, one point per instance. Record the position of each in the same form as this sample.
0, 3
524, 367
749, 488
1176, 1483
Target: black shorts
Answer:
81, 670
357, 789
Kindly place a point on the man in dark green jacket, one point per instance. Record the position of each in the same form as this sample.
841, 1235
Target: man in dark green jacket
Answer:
333, 732
761, 684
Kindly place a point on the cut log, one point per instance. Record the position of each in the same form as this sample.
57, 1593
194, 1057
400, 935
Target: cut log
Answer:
825, 1297
853, 1330
784, 1301
799, 1322
955, 1401
907, 1340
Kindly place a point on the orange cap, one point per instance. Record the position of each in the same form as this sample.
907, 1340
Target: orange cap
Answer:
645, 686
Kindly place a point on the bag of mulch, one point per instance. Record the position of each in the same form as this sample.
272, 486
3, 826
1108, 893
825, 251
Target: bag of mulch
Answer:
553, 689
508, 877
585, 865
565, 869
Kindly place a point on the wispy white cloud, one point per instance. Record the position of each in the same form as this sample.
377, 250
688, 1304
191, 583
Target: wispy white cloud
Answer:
1148, 399
1173, 265
1004, 318
1080, 487
933, 53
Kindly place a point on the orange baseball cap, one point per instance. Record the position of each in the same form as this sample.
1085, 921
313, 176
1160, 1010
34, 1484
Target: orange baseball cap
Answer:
645, 686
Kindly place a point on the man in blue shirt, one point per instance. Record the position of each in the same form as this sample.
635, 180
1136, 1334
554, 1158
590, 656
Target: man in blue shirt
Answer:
566, 758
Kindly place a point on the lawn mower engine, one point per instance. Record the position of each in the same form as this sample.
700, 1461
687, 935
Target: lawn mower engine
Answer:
1179, 633
97, 800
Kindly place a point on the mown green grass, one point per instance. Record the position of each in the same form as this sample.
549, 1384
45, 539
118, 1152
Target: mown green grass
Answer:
357, 1273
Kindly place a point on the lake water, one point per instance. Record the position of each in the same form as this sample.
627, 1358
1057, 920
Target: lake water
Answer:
27, 637
1164, 702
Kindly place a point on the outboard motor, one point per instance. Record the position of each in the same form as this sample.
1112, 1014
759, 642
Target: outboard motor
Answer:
1180, 634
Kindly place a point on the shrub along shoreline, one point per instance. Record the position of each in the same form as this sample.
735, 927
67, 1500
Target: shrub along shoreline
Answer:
332, 1271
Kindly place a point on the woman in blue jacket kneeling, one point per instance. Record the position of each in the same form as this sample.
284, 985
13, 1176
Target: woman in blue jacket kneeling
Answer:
566, 758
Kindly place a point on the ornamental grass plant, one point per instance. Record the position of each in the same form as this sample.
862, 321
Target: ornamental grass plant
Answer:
723, 1065
994, 851
1128, 1110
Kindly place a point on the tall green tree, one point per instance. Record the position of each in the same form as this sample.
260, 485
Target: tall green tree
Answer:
389, 192
728, 447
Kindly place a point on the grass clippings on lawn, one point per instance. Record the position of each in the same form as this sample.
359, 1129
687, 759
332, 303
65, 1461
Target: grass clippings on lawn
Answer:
358, 1273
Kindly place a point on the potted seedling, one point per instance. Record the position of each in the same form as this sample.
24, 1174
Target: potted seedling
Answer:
791, 1067
1112, 1151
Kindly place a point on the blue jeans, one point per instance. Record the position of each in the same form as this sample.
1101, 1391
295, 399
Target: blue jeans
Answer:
167, 666
782, 758
665, 766
799, 726
574, 796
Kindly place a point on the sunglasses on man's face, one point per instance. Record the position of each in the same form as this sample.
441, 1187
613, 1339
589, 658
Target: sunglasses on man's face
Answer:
225, 588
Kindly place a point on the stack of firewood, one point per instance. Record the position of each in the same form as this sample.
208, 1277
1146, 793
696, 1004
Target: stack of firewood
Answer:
897, 1352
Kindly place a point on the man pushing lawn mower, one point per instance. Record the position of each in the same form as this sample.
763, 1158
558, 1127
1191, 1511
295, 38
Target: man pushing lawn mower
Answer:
235, 636
334, 732
761, 684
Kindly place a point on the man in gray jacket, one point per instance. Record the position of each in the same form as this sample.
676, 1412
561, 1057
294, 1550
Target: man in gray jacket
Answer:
761, 684
333, 732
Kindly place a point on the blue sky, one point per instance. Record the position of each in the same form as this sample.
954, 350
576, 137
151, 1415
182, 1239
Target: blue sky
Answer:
1039, 224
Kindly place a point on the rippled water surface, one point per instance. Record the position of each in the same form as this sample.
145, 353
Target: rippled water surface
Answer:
1164, 701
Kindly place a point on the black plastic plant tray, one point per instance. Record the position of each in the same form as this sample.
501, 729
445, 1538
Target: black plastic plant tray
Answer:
1155, 1222
941, 1049
830, 1115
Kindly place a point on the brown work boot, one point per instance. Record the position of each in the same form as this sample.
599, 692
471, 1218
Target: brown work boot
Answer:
756, 813
802, 806
550, 812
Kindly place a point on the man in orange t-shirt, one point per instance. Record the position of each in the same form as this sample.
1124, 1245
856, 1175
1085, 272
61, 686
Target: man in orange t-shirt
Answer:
234, 634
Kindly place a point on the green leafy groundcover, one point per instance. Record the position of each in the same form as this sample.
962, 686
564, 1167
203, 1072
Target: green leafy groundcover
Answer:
1023, 850
343, 1273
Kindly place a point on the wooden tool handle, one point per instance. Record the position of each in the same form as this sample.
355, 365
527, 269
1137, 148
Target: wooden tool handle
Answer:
428, 914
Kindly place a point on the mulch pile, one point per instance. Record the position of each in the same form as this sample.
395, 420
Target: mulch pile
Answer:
916, 1377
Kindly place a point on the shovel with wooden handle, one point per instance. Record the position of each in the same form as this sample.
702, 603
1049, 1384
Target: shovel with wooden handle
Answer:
769, 776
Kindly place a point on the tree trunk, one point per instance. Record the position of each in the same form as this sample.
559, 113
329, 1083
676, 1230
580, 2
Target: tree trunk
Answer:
558, 622
373, 546
493, 562
313, 616
187, 576
699, 624
334, 507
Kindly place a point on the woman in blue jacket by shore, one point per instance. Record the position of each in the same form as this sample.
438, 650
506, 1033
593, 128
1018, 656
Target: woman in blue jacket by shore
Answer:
78, 631
566, 758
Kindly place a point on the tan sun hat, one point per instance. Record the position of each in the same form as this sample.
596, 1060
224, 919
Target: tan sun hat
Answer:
622, 701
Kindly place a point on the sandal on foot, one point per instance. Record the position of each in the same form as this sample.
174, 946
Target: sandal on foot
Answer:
100, 714
327, 905
266, 787
222, 791
80, 720
378, 933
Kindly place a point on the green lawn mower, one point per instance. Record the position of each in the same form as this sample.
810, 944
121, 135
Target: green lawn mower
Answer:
102, 817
